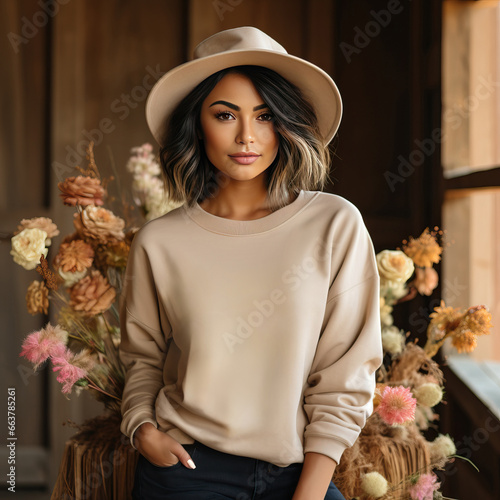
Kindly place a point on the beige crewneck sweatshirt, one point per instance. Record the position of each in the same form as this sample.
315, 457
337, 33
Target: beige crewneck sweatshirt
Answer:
257, 338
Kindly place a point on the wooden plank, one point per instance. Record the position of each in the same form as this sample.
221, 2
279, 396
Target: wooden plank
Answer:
480, 179
320, 34
22, 100
479, 379
472, 407
207, 18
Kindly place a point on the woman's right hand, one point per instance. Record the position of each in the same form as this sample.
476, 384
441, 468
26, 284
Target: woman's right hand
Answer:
159, 448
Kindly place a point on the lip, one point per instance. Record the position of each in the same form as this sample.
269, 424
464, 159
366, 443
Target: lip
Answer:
245, 158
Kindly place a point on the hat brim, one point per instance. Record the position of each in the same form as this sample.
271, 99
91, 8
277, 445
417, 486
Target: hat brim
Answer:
316, 85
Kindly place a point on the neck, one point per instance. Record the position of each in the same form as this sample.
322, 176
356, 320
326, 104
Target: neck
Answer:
240, 201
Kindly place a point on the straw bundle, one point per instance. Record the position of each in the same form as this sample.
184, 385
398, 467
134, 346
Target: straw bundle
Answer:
98, 463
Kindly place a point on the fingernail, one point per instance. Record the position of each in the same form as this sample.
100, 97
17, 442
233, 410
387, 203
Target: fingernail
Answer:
191, 464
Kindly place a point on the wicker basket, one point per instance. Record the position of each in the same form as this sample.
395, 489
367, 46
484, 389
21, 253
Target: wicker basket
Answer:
396, 453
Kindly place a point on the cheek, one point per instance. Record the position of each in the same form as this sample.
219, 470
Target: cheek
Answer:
269, 138
214, 139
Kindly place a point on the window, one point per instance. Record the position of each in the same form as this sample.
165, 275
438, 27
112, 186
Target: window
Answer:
471, 160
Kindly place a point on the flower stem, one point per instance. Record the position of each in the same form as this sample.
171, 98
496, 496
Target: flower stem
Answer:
93, 386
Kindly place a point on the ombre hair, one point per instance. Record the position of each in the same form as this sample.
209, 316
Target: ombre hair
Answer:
302, 161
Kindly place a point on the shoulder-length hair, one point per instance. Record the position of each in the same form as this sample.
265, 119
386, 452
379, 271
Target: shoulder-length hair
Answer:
302, 162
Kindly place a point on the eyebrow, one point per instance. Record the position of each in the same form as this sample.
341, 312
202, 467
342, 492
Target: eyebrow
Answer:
237, 108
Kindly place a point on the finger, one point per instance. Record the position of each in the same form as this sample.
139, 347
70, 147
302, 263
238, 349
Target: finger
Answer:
183, 456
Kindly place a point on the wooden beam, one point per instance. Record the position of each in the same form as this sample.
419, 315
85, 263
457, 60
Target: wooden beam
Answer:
481, 179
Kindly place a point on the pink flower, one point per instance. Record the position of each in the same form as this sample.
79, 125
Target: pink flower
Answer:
69, 373
48, 342
424, 488
397, 405
426, 280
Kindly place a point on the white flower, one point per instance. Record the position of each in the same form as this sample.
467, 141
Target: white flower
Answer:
443, 446
385, 313
392, 340
158, 206
392, 291
428, 394
71, 278
374, 484
28, 246
143, 161
143, 182
394, 265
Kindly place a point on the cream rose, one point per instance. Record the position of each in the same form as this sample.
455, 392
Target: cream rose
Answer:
28, 246
43, 223
394, 265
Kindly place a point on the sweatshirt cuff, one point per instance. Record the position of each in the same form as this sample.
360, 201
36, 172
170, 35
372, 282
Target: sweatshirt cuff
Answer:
130, 425
325, 445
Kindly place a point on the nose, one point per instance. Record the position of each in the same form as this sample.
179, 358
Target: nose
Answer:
245, 133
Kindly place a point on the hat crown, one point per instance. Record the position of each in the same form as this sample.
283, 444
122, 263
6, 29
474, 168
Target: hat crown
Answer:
244, 38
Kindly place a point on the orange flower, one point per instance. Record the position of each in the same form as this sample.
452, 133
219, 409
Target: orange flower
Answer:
464, 341
74, 257
424, 250
444, 317
99, 224
81, 190
92, 295
478, 320
37, 298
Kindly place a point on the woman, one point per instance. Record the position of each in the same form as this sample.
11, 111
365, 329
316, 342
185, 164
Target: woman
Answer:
250, 319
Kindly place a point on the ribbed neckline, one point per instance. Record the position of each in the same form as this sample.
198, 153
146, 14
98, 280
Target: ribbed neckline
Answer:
244, 227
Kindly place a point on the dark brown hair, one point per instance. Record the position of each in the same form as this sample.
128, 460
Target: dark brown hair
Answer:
302, 161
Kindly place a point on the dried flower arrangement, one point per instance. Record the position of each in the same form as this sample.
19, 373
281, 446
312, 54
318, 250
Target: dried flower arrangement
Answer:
85, 278
391, 459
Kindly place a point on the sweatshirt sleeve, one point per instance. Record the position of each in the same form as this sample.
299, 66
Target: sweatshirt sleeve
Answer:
341, 382
144, 341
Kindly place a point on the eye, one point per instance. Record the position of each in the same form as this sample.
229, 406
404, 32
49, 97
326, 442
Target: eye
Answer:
266, 117
224, 115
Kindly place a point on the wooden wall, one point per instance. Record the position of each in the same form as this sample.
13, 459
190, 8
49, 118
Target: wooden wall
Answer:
84, 74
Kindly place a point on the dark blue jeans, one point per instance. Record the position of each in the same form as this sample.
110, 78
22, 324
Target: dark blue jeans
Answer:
218, 476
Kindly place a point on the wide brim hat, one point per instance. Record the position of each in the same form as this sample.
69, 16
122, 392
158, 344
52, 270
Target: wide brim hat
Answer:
244, 46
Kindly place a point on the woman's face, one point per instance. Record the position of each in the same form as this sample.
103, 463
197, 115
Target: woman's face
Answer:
238, 129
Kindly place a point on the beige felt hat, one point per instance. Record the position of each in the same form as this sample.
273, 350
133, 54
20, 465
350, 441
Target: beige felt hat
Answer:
244, 46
